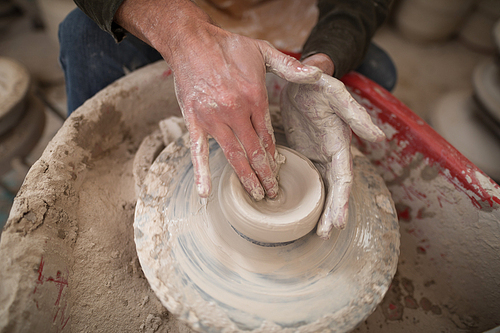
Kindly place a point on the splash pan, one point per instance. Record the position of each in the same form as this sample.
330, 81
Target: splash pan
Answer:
204, 272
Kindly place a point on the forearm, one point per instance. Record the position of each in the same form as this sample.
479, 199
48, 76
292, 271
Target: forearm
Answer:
165, 25
344, 31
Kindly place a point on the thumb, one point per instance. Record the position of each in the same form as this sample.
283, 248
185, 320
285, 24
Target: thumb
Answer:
288, 67
199, 157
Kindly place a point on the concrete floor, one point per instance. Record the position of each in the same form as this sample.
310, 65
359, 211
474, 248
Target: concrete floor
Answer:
426, 72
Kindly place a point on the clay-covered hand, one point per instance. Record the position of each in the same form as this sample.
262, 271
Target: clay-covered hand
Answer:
223, 94
318, 119
220, 86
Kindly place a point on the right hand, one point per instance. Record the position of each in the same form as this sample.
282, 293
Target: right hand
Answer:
220, 86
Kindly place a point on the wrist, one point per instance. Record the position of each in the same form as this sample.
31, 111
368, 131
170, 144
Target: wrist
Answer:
163, 24
322, 61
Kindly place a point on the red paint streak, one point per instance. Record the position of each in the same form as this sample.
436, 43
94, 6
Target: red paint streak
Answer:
166, 73
420, 138
40, 276
417, 193
292, 54
421, 249
61, 282
439, 201
63, 320
417, 233
405, 214
392, 306
476, 203
407, 192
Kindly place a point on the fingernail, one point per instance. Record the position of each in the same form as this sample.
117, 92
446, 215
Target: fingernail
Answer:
203, 190
273, 191
279, 159
311, 69
380, 135
325, 235
257, 194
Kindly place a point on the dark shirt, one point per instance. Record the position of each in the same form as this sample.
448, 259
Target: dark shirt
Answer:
343, 31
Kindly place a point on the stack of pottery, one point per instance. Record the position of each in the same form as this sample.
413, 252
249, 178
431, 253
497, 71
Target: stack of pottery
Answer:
476, 32
471, 120
431, 20
22, 117
53, 13
486, 81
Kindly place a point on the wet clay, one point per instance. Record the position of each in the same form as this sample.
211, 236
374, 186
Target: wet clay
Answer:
215, 279
292, 214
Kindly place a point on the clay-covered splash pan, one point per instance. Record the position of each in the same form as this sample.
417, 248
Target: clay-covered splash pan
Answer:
209, 270
69, 261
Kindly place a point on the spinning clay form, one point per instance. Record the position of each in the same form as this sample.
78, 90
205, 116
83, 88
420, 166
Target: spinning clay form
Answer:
291, 215
229, 264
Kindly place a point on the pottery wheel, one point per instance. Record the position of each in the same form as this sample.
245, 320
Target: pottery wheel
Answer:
209, 276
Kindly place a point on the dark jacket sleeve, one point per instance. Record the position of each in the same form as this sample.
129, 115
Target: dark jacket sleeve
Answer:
102, 12
344, 30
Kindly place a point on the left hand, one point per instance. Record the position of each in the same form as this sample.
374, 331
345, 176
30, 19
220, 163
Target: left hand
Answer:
318, 119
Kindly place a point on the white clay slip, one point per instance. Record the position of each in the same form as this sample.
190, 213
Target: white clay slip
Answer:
209, 276
289, 216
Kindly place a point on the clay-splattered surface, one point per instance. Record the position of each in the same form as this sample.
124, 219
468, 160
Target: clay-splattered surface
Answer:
450, 225
448, 222
71, 264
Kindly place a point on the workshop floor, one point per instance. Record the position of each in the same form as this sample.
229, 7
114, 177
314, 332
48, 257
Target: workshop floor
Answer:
425, 74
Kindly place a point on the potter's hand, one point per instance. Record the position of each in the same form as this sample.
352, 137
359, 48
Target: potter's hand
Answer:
318, 119
223, 94
220, 86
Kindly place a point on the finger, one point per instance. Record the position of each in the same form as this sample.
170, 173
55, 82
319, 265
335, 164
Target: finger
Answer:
199, 157
350, 111
339, 181
288, 67
258, 157
264, 129
237, 158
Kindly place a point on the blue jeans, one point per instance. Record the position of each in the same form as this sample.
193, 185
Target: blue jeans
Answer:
91, 59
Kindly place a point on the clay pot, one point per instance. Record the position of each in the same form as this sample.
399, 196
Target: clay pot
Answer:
426, 21
477, 32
